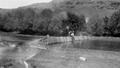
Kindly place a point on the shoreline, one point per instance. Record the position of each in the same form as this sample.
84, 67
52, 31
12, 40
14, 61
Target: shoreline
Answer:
55, 39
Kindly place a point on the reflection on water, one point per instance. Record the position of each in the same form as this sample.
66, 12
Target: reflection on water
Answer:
90, 44
98, 45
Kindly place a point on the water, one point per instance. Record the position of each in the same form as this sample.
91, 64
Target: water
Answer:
97, 45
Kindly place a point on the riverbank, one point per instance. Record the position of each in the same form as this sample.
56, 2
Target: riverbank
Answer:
81, 38
53, 39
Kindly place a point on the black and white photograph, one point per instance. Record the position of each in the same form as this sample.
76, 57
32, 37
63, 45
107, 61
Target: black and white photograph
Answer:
59, 33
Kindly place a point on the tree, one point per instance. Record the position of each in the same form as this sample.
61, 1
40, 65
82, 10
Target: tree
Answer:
74, 22
56, 24
113, 25
10, 24
3, 20
107, 31
47, 15
21, 20
107, 26
96, 26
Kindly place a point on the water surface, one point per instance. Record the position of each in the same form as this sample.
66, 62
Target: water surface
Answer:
97, 45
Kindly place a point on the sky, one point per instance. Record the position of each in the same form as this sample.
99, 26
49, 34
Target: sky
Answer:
8, 4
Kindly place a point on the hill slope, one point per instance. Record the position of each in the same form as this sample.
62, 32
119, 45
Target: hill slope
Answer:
87, 7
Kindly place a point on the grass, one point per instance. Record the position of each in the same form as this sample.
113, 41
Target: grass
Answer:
69, 58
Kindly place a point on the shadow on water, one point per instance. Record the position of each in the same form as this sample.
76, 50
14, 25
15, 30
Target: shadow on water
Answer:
97, 45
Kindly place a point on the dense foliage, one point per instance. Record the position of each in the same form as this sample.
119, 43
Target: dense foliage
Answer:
74, 23
107, 26
47, 21
96, 26
113, 24
26, 21
30, 21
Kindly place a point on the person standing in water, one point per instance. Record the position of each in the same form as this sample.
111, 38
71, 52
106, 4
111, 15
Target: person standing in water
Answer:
72, 36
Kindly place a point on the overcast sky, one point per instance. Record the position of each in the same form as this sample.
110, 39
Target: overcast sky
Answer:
18, 3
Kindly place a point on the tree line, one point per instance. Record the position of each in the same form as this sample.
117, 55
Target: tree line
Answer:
31, 21
105, 26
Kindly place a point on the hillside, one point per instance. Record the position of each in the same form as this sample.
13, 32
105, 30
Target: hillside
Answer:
87, 7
